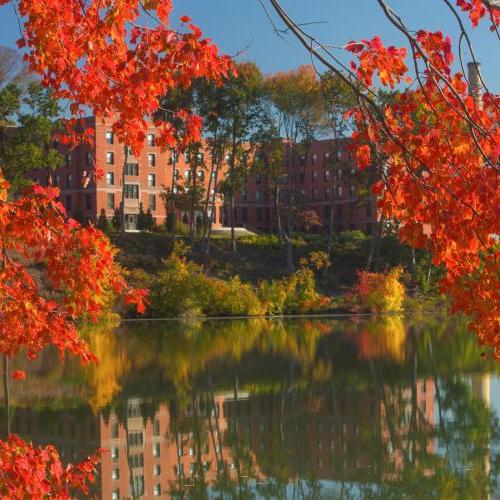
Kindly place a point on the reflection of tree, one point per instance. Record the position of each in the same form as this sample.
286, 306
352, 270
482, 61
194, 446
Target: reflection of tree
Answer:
273, 409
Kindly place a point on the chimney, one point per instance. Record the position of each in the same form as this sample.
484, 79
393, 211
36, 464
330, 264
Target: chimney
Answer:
474, 77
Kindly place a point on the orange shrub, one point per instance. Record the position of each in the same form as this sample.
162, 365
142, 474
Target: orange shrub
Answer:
379, 292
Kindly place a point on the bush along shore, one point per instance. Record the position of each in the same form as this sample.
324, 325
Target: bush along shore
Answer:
182, 288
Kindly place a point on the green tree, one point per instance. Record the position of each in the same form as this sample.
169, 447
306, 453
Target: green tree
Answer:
30, 145
297, 108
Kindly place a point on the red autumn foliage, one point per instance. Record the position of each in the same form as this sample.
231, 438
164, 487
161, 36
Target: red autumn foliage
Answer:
440, 148
18, 375
29, 472
77, 262
97, 54
101, 54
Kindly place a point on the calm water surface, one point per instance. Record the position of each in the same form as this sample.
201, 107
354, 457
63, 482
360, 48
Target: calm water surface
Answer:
306, 408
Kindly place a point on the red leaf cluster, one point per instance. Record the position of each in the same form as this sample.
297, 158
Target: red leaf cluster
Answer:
29, 472
100, 54
438, 151
76, 262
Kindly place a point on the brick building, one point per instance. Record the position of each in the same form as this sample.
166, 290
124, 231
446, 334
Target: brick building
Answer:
145, 177
321, 181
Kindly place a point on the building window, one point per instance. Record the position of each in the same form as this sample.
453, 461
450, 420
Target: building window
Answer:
328, 192
258, 195
326, 155
114, 426
199, 156
302, 161
157, 470
135, 439
68, 160
115, 474
156, 450
110, 158
89, 160
115, 452
258, 214
327, 175
109, 137
187, 159
340, 211
187, 174
110, 200
157, 490
151, 159
368, 228
314, 175
314, 158
57, 180
201, 175
69, 180
152, 206
302, 177
227, 157
139, 485
351, 190
132, 169
258, 178
68, 202
339, 191
88, 201
110, 178
314, 194
151, 180
339, 173
244, 215
115, 495
131, 191
176, 173
151, 139
137, 461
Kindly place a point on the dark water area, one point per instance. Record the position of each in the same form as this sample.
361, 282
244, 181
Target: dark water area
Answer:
304, 408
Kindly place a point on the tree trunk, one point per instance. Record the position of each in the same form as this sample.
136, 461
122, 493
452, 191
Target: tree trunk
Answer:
232, 177
330, 229
192, 221
212, 217
278, 214
172, 197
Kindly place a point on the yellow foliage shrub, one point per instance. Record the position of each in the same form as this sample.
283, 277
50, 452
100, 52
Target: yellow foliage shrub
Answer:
379, 292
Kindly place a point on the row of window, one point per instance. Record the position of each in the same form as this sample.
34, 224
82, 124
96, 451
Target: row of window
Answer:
110, 138
110, 181
131, 192
262, 214
110, 159
260, 195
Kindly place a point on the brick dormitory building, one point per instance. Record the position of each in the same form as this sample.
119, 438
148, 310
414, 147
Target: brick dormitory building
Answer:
321, 182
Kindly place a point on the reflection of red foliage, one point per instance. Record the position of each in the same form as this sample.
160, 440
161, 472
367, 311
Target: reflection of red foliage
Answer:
28, 472
18, 375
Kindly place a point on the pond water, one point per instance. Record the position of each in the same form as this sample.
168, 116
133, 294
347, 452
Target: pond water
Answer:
304, 408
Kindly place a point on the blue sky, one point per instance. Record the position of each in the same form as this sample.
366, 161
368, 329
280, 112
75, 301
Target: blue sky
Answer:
238, 25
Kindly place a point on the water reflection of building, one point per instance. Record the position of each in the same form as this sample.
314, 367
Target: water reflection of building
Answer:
335, 435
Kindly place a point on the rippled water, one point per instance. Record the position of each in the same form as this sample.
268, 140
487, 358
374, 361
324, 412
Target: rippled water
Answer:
305, 408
